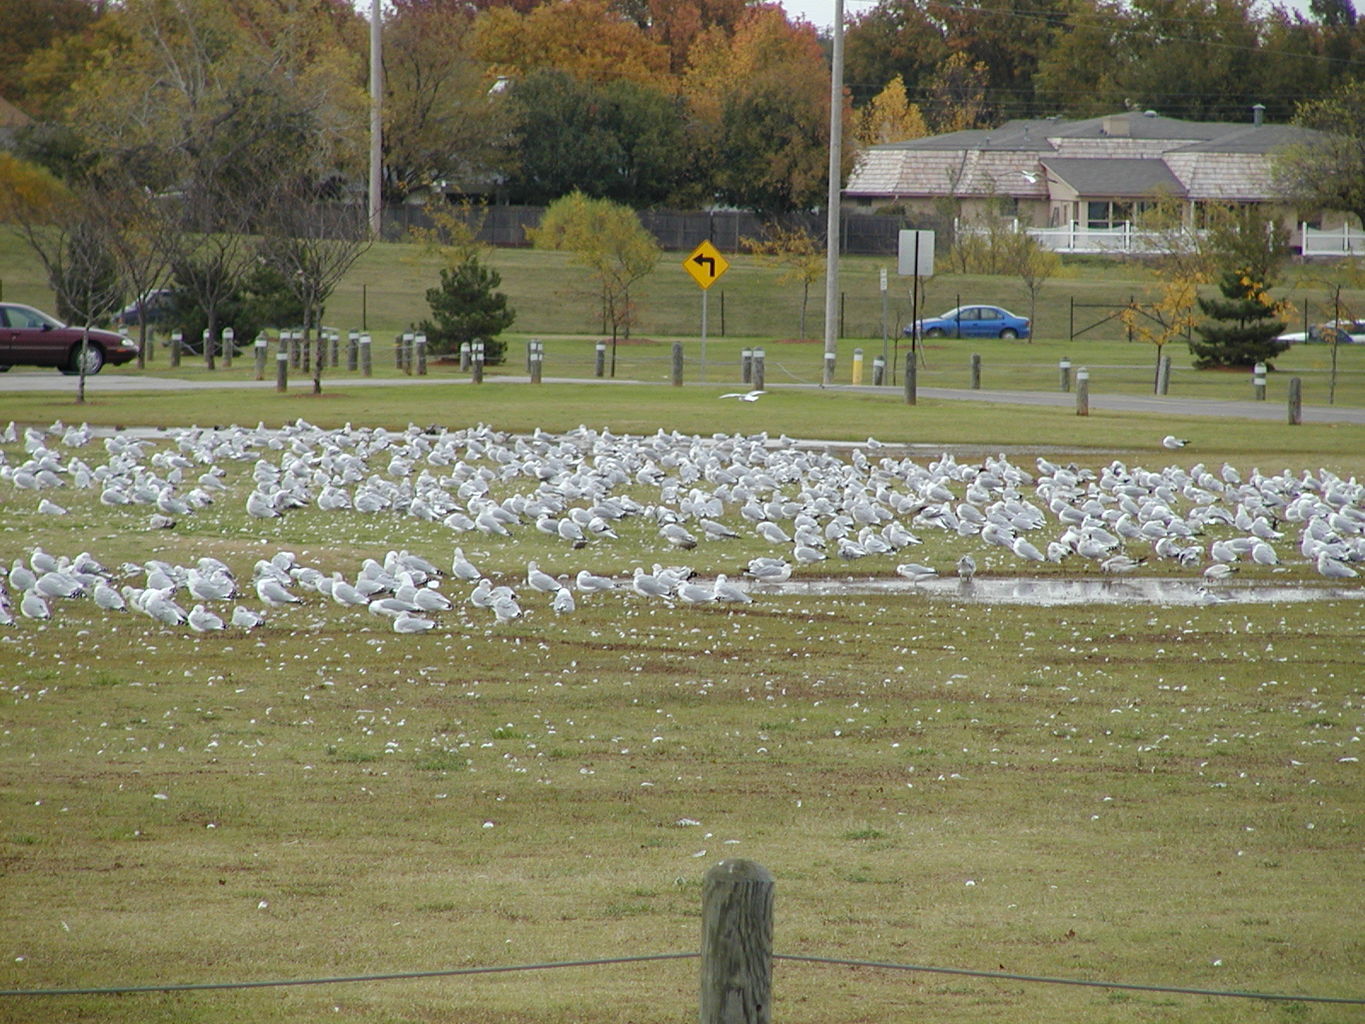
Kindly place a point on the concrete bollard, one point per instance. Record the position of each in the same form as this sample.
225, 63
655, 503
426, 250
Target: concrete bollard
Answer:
537, 356
352, 350
366, 366
282, 370
911, 381
1258, 382
1064, 373
759, 370
1082, 392
736, 944
976, 372
676, 374
599, 366
746, 365
262, 343
1295, 401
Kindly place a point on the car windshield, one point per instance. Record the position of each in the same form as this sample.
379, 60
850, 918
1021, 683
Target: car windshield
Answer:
27, 316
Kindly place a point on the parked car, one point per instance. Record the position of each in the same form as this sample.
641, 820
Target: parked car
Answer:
972, 322
1352, 331
156, 306
30, 337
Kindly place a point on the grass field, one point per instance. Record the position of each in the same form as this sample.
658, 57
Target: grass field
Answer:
1160, 795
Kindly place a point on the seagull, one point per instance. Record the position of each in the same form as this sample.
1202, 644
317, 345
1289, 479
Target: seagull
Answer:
273, 593
244, 618
1171, 441
727, 591
405, 622
966, 568
587, 583
563, 601
542, 581
745, 396
916, 573
201, 620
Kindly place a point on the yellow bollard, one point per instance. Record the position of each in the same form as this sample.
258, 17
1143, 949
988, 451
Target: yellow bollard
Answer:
857, 366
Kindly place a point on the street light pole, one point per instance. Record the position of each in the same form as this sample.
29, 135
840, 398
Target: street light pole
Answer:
836, 133
376, 124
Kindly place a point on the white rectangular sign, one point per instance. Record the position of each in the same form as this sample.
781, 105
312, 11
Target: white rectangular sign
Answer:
915, 254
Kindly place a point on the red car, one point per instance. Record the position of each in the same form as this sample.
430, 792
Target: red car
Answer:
30, 337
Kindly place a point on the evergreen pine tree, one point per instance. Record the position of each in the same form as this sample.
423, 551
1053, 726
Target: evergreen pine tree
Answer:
1248, 247
1243, 325
466, 306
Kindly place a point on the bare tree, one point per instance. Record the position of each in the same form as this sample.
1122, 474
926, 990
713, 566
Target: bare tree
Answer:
313, 245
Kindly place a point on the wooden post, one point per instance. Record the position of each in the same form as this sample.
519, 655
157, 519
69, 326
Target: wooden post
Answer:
599, 366
1082, 392
1258, 382
1064, 369
177, 339
911, 384
1163, 376
746, 365
976, 372
759, 369
466, 356
366, 358
282, 370
229, 343
420, 348
1295, 401
677, 376
353, 350
476, 364
736, 944
878, 371
262, 343
537, 355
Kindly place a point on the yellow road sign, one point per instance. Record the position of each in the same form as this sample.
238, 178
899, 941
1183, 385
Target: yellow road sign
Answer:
706, 264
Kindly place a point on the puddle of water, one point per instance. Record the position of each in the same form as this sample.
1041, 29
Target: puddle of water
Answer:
1048, 593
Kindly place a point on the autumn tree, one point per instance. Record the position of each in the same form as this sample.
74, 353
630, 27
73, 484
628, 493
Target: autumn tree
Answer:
893, 38
585, 39
609, 240
890, 117
1328, 172
621, 141
1169, 316
956, 95
33, 27
442, 121
763, 113
800, 256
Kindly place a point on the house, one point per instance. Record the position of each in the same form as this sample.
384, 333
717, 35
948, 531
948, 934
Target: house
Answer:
1081, 184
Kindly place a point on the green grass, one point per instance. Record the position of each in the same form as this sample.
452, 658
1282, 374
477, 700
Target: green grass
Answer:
1159, 795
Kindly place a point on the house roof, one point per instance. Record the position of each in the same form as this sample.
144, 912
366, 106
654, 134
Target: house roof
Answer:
11, 116
1123, 155
1115, 176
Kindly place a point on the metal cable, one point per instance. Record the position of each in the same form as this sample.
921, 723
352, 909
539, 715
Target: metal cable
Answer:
833, 961
348, 979
1006, 976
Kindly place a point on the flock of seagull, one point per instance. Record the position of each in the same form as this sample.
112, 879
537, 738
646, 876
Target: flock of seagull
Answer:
801, 504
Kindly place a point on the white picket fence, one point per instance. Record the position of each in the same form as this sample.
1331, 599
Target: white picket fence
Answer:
1127, 240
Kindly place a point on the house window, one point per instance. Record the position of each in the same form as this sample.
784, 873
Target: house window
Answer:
1112, 213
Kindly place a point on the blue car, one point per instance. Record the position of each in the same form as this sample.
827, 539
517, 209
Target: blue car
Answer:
972, 322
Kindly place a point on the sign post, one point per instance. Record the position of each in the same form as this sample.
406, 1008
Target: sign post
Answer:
706, 265
915, 258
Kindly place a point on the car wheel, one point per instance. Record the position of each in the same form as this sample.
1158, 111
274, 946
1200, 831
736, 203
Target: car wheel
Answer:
94, 360
1009, 332
4, 369
935, 332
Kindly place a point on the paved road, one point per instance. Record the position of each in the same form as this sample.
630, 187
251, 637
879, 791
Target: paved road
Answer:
48, 381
